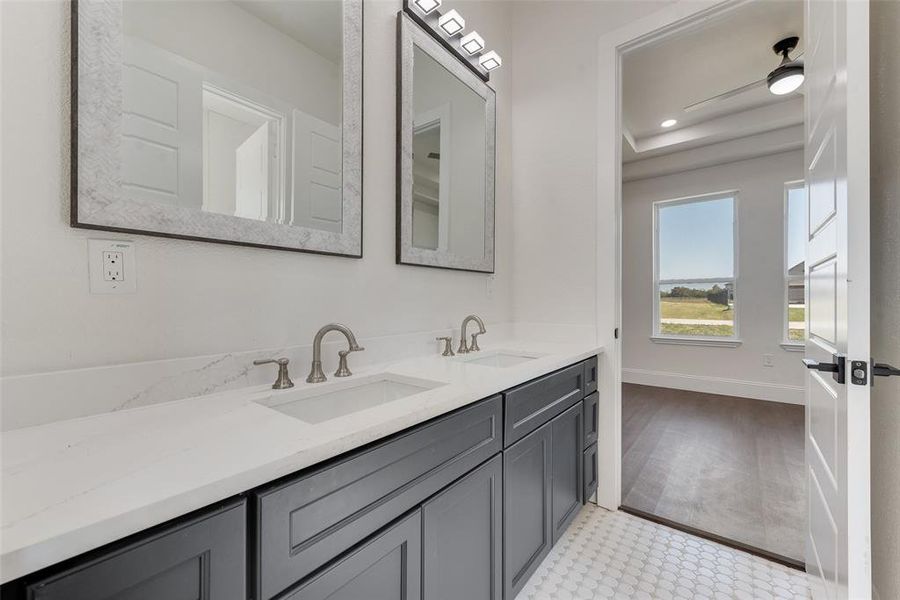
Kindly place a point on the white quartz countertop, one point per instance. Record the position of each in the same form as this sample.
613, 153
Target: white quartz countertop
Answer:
72, 486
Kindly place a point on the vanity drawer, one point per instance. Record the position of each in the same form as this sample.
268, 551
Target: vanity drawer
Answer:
591, 418
204, 557
531, 405
304, 523
591, 375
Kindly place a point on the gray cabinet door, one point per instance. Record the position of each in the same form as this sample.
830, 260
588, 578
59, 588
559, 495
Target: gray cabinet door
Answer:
203, 558
566, 451
591, 375
591, 418
387, 567
462, 537
527, 527
589, 463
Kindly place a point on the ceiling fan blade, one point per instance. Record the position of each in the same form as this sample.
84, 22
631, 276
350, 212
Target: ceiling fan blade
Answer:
724, 96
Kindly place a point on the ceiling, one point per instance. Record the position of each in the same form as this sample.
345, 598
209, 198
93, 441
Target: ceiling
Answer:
724, 52
313, 23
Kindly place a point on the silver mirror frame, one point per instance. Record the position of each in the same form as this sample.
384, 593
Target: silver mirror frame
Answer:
96, 199
409, 36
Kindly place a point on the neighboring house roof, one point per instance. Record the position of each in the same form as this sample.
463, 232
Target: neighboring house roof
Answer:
798, 269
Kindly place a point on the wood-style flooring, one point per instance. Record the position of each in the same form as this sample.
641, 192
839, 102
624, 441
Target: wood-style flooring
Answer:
733, 467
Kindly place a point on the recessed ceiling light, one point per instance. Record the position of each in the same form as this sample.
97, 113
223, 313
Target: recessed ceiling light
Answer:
452, 23
472, 43
490, 61
427, 6
668, 123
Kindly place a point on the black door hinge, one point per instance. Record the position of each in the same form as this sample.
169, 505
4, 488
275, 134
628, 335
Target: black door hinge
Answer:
616, 333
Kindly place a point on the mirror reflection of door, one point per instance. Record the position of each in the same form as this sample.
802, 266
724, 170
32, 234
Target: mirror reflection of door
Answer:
250, 129
431, 178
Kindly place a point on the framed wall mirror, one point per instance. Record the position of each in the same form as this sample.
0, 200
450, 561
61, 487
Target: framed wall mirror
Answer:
445, 157
235, 121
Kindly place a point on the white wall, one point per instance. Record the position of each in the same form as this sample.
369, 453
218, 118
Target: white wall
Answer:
554, 153
201, 298
760, 285
885, 195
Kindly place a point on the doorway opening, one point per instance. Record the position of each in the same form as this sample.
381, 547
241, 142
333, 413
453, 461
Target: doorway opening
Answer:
713, 297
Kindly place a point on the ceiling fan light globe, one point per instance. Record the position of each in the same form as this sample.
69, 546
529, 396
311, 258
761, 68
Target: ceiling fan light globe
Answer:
785, 79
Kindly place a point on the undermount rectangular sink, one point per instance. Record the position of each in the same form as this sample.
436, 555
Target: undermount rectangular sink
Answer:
500, 359
342, 398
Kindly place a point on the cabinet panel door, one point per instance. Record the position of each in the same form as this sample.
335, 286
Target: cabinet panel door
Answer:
204, 558
527, 528
463, 535
566, 455
387, 567
589, 463
591, 418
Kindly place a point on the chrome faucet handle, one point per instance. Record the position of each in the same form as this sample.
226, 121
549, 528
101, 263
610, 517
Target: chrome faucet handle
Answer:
473, 347
343, 370
448, 345
284, 379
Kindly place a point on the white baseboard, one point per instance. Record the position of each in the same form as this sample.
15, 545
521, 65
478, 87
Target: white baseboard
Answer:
773, 392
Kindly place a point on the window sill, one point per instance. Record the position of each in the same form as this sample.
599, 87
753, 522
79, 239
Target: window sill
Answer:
696, 341
793, 347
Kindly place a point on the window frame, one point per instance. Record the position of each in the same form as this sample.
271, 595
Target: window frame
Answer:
697, 340
786, 342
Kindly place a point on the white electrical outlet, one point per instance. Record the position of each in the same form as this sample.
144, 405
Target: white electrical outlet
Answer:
112, 267
767, 360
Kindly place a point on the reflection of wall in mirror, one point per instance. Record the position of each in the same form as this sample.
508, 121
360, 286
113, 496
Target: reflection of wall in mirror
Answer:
270, 77
434, 86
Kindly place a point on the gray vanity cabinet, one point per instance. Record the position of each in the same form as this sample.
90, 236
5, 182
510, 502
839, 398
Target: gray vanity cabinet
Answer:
527, 519
387, 567
566, 453
204, 557
462, 536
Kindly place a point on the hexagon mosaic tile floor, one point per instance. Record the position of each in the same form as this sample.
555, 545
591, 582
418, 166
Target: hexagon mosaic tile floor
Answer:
616, 555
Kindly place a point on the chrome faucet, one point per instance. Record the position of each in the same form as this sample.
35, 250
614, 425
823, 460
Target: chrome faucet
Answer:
463, 348
316, 375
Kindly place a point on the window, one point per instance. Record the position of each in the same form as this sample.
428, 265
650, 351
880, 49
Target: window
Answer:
695, 266
794, 263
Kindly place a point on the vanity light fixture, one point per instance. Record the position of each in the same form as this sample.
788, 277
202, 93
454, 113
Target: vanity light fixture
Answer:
490, 61
452, 23
668, 123
472, 43
427, 6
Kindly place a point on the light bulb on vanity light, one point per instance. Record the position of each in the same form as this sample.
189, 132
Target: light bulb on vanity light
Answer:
472, 43
452, 23
426, 7
490, 61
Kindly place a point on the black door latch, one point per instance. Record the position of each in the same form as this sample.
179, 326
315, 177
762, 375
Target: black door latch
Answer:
837, 368
859, 370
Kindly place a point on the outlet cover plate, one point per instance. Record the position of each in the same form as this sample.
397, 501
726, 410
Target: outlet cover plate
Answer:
103, 285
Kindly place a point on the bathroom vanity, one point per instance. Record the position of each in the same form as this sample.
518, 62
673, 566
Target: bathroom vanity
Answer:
465, 502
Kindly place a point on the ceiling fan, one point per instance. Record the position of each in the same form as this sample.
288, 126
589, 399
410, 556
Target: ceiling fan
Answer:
784, 79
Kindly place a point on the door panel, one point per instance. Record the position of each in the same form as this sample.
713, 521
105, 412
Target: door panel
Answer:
837, 178
527, 530
566, 454
387, 567
462, 540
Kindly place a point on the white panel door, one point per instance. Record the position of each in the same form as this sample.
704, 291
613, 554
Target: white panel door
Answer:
316, 176
251, 176
837, 271
161, 127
